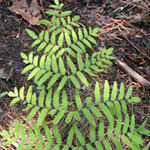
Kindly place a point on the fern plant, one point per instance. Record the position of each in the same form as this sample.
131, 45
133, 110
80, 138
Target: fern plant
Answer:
61, 67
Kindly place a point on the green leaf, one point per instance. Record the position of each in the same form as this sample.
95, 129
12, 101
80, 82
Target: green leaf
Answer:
52, 28
21, 93
60, 39
35, 60
53, 80
57, 135
92, 134
81, 46
63, 21
111, 107
82, 78
54, 64
56, 2
118, 126
62, 83
85, 32
64, 100
54, 49
124, 107
56, 100
53, 38
70, 136
127, 142
29, 94
129, 92
20, 146
52, 13
80, 34
36, 42
74, 36
33, 73
38, 75
118, 108
92, 40
71, 65
22, 132
75, 81
38, 133
109, 117
61, 5
95, 111
48, 133
27, 68
80, 62
95, 30
60, 53
79, 135
117, 143
106, 91
101, 129
41, 98
61, 66
48, 99
31, 33
107, 145
14, 101
77, 116
23, 55
72, 53
32, 113
136, 99
44, 22
88, 101
42, 116
75, 18
69, 117
76, 48
126, 124
46, 37
78, 100
31, 135
89, 116
58, 23
65, 13
121, 93
9, 142
132, 124
86, 42
41, 46
16, 129
114, 91
68, 40
44, 78
97, 93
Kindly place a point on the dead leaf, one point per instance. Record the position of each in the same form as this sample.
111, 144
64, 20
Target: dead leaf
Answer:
31, 14
3, 74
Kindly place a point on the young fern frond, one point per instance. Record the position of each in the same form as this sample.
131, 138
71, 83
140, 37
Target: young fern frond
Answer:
71, 43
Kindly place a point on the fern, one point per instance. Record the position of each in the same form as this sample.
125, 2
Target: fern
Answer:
61, 70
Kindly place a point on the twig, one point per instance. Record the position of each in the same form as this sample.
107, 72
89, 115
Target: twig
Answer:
133, 45
133, 74
86, 7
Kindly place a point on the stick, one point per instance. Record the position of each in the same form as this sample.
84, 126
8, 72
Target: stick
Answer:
132, 73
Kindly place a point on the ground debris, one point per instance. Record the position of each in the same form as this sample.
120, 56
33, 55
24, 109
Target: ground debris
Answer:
30, 14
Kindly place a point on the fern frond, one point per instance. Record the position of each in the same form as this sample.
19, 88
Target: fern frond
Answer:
52, 69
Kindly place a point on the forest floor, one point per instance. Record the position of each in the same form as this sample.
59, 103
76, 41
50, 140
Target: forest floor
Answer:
123, 25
